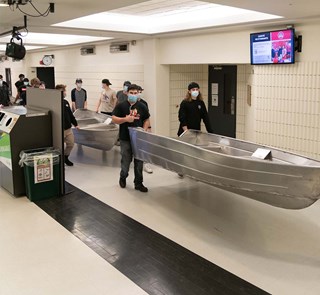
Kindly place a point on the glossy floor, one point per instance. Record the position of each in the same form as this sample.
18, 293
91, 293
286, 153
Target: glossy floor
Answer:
274, 249
277, 250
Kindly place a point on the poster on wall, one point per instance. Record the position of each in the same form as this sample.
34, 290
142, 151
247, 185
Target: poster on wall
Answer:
5, 150
43, 168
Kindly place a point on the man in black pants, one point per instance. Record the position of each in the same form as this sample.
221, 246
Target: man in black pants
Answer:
130, 113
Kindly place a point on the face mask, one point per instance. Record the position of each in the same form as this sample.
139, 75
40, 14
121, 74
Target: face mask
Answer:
194, 94
132, 98
79, 85
1, 83
139, 95
26, 83
125, 88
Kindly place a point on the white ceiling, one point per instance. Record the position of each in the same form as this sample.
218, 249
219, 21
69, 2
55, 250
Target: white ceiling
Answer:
293, 12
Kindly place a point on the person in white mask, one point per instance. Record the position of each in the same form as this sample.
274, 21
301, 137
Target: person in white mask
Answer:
78, 96
193, 110
122, 95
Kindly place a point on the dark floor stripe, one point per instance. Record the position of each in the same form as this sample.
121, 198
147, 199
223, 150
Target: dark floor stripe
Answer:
155, 263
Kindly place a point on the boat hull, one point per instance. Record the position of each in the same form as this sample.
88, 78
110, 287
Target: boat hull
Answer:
287, 180
94, 132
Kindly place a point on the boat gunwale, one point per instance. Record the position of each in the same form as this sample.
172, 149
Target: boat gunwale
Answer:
254, 160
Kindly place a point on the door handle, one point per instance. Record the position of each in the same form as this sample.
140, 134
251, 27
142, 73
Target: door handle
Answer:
233, 105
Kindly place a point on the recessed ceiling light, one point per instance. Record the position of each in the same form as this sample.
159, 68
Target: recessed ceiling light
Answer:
55, 39
158, 16
28, 47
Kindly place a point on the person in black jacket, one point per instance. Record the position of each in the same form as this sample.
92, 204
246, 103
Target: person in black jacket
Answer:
192, 110
69, 120
4, 93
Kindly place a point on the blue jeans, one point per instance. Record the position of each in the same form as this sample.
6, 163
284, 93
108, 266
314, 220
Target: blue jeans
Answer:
126, 159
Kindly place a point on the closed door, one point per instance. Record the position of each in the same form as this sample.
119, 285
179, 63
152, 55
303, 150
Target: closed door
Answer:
222, 99
8, 80
46, 74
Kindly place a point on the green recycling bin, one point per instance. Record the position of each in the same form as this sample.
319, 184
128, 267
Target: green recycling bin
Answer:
41, 173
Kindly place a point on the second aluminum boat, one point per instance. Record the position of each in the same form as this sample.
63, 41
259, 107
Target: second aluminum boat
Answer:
96, 130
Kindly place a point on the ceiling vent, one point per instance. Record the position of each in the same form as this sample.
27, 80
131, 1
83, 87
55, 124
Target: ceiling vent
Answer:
119, 47
88, 50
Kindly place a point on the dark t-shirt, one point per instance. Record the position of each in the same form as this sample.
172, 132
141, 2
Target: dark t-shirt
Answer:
23, 94
121, 96
123, 109
18, 84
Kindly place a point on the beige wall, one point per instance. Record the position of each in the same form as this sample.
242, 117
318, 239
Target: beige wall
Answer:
285, 110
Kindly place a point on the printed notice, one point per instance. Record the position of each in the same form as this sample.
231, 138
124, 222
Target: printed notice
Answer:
43, 168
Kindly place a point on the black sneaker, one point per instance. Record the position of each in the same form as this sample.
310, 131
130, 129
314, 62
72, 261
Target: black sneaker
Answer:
141, 188
67, 161
122, 182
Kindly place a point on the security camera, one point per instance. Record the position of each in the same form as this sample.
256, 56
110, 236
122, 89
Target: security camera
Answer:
14, 50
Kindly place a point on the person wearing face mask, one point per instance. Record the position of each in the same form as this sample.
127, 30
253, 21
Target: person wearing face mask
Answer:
4, 93
122, 94
130, 113
22, 92
146, 166
78, 96
193, 110
108, 98
69, 120
19, 83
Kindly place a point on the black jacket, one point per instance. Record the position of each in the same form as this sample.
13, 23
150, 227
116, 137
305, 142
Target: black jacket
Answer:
4, 95
68, 116
191, 113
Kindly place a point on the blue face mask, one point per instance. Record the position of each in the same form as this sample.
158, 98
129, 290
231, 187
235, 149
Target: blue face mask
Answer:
125, 88
26, 83
132, 98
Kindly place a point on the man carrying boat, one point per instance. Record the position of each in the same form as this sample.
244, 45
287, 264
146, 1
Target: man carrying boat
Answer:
130, 113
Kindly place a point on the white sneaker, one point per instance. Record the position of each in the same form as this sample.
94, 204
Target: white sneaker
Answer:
147, 168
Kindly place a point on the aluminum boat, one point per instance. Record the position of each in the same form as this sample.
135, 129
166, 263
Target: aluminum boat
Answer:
96, 130
266, 174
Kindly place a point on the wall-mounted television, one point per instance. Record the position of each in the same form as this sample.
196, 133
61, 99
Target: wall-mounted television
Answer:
273, 47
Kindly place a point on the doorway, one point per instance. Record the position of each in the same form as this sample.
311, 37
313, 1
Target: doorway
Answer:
8, 79
222, 99
46, 74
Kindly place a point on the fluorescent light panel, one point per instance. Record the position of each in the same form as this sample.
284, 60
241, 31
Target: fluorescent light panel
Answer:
55, 39
158, 16
28, 47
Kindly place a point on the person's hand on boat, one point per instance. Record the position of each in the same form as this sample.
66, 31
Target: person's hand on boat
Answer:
130, 118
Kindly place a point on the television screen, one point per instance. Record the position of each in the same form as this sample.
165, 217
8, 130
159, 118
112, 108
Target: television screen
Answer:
276, 47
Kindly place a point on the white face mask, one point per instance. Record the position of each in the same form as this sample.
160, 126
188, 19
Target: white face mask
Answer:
194, 94
79, 85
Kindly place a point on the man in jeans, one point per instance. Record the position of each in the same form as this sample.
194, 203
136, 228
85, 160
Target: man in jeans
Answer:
130, 113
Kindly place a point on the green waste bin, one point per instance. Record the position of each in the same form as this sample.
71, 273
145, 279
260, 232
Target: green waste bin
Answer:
41, 173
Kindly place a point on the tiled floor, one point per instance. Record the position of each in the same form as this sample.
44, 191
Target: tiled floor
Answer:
153, 262
40, 257
277, 250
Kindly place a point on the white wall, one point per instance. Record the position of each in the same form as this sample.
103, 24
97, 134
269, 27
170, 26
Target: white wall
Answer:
285, 110
117, 67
